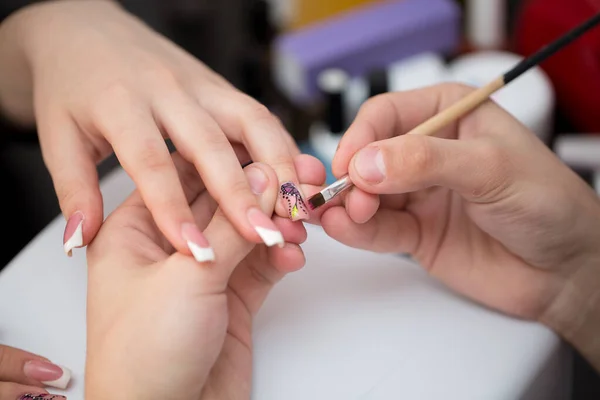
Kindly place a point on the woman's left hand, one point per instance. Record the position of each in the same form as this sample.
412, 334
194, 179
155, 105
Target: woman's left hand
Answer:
97, 79
163, 326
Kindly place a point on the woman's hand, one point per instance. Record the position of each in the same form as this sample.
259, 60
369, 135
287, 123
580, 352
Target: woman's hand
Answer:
23, 375
163, 326
485, 207
96, 80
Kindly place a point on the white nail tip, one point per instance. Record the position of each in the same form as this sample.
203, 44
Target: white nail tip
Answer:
76, 239
201, 254
270, 237
63, 381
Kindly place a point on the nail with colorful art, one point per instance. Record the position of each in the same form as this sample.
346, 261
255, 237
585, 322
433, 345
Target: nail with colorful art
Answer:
42, 396
295, 201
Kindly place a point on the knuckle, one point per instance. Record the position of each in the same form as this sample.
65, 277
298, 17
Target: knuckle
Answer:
417, 155
257, 111
376, 103
497, 175
214, 140
159, 73
67, 192
116, 92
235, 189
152, 157
456, 89
283, 166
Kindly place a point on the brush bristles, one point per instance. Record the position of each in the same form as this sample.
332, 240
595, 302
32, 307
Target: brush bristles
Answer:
316, 201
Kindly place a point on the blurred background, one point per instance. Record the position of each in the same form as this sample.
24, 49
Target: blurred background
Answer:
314, 62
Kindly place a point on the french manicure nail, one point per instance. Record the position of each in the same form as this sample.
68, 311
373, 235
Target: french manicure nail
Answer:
296, 205
49, 374
73, 236
265, 228
197, 243
42, 396
369, 164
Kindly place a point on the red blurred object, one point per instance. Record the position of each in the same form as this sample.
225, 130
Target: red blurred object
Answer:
574, 70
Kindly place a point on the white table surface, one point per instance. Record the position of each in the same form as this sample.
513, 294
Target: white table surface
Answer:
350, 325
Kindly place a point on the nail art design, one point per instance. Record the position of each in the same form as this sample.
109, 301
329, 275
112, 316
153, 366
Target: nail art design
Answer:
73, 236
43, 396
296, 206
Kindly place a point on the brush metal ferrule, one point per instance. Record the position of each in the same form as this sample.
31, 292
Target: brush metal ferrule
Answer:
336, 188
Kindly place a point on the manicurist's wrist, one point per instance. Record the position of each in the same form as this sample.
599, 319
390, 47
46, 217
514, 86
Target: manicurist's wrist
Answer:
42, 26
575, 312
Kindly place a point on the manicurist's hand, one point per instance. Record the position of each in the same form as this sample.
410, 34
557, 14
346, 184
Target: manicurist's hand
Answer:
96, 80
485, 207
162, 325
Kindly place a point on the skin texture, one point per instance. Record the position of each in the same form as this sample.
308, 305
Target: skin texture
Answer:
161, 325
484, 206
95, 79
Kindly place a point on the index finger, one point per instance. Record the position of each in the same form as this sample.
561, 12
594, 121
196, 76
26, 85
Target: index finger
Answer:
394, 114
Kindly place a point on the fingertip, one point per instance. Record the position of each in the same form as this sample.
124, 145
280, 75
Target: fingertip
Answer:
360, 205
333, 220
286, 259
264, 183
84, 217
293, 231
310, 170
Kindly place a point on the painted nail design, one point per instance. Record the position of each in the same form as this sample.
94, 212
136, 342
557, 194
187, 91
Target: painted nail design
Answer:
296, 205
43, 396
197, 243
265, 228
49, 374
73, 236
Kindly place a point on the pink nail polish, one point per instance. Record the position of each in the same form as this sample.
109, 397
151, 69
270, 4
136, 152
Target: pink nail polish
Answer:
295, 201
42, 396
197, 243
49, 374
266, 229
73, 236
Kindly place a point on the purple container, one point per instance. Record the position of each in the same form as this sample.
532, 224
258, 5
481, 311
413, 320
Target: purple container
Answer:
358, 41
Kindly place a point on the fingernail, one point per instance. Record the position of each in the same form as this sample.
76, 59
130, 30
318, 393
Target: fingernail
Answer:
369, 164
257, 180
73, 236
49, 374
197, 243
42, 396
296, 205
265, 228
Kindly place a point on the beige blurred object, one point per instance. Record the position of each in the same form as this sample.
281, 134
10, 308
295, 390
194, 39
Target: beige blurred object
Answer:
311, 11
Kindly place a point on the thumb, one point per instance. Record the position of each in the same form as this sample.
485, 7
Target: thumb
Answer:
75, 180
475, 169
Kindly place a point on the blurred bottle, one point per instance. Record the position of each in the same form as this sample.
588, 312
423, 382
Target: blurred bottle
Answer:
575, 70
310, 11
485, 24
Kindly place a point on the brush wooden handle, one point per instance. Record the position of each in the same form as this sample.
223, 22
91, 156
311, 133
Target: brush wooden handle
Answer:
458, 109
